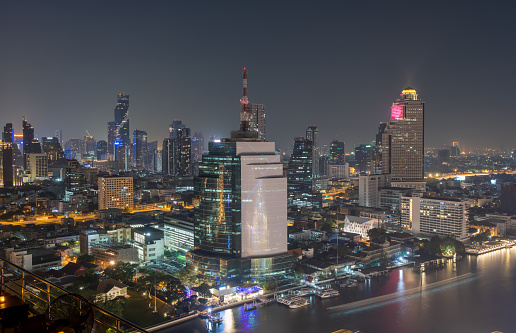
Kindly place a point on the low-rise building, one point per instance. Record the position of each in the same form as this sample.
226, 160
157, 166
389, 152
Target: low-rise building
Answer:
109, 289
110, 253
359, 225
34, 258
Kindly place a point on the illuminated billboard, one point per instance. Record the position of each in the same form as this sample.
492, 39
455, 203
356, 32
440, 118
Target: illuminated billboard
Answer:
461, 177
396, 111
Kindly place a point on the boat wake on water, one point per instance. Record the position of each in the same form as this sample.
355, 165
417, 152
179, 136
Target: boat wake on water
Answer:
400, 294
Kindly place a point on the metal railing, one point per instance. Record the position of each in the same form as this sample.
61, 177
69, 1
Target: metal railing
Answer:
39, 293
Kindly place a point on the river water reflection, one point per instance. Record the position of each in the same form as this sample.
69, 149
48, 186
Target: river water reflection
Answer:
481, 303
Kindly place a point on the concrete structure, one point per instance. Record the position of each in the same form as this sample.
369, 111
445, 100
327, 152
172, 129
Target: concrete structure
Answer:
368, 189
37, 165
150, 244
338, 171
115, 192
178, 233
359, 225
390, 197
35, 258
110, 253
443, 217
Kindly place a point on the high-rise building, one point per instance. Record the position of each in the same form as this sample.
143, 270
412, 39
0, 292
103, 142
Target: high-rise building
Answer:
90, 146
240, 223
437, 216
28, 138
403, 140
75, 179
37, 165
299, 173
312, 134
379, 135
59, 136
73, 149
364, 159
337, 152
52, 147
177, 153
115, 192
7, 164
368, 189
140, 149
169, 156
151, 148
8, 134
257, 121
122, 138
111, 137
102, 149
184, 154
172, 128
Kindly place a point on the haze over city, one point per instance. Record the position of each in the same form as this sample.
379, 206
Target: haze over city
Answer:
335, 65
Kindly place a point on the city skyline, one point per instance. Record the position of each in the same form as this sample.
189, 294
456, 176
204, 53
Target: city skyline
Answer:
74, 74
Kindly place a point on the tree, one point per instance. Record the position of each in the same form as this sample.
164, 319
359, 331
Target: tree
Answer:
86, 258
327, 225
187, 275
121, 271
204, 290
377, 235
481, 237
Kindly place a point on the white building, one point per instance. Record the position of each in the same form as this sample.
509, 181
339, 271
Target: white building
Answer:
150, 244
264, 200
359, 225
368, 189
115, 192
443, 217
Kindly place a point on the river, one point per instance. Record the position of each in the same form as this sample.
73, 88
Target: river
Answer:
481, 303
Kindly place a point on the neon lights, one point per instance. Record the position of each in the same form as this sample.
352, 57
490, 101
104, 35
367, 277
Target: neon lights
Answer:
396, 111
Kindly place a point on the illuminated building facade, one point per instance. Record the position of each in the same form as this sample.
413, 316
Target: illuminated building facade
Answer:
403, 140
241, 220
37, 165
111, 137
115, 192
257, 121
364, 159
52, 147
299, 173
337, 153
122, 142
177, 153
140, 149
442, 217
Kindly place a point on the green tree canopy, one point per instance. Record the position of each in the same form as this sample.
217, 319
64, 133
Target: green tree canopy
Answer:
377, 235
204, 290
121, 271
86, 258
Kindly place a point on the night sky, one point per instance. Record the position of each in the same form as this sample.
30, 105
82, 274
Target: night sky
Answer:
338, 65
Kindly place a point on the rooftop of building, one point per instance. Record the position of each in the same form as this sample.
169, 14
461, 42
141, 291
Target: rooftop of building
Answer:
358, 219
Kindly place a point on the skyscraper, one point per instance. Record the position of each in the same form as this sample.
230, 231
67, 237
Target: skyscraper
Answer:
122, 139
299, 173
337, 153
7, 164
111, 137
257, 121
364, 159
403, 141
53, 149
102, 149
140, 149
28, 136
172, 128
168, 158
312, 134
8, 134
240, 228
184, 154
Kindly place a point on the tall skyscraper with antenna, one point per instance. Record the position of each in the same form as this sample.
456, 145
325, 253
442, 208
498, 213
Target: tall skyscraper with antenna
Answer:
240, 223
